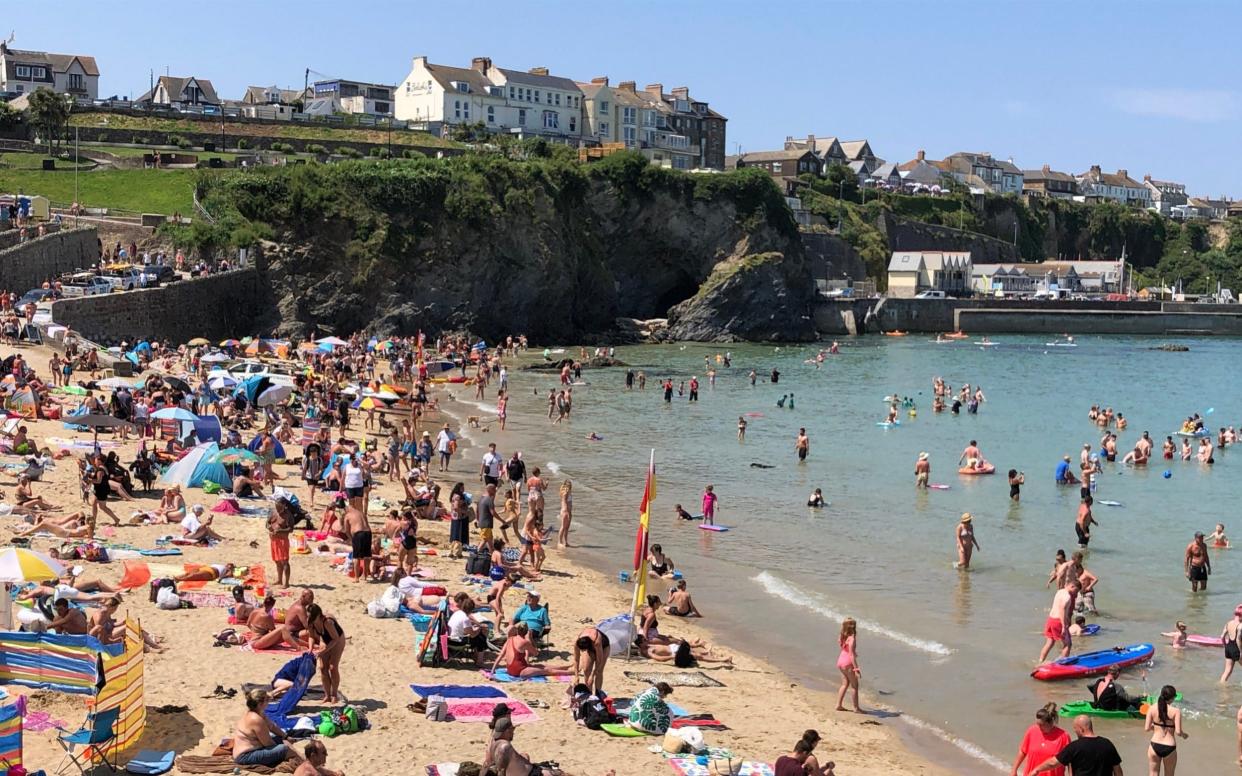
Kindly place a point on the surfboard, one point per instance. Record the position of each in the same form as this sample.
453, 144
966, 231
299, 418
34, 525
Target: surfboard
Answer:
888, 424
1204, 641
716, 528
1111, 503
1090, 630
1093, 663
938, 486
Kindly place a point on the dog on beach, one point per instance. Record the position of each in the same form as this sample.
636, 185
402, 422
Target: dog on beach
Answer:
472, 421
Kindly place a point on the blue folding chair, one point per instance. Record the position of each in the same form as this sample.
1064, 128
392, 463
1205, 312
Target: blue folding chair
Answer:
96, 733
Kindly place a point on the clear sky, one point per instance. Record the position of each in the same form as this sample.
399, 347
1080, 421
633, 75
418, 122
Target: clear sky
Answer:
1147, 85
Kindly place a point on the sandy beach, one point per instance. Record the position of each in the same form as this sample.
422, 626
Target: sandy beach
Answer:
764, 709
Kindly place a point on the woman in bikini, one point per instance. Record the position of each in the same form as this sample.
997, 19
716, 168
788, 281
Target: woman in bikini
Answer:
668, 653
518, 652
324, 630
212, 573
25, 497
847, 663
567, 512
1164, 722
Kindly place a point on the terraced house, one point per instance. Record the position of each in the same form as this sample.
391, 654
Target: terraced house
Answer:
22, 72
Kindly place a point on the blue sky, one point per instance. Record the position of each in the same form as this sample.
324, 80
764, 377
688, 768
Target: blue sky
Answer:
1142, 85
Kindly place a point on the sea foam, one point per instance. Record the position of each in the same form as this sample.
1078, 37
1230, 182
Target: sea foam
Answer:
781, 589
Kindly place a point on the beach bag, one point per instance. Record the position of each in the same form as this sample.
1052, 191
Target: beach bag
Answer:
212, 487
674, 743
158, 584
594, 713
725, 766
437, 708
478, 563
387, 605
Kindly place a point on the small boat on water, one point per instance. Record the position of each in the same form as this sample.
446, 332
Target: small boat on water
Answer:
896, 333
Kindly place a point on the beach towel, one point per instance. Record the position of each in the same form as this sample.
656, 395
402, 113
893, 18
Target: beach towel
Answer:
688, 766
705, 721
442, 769
475, 710
674, 678
161, 551
203, 599
223, 763
503, 676
278, 710
458, 690
39, 721
621, 730
149, 762
281, 647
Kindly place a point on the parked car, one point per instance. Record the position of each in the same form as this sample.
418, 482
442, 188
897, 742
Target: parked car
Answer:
124, 279
85, 284
158, 273
930, 295
279, 373
35, 295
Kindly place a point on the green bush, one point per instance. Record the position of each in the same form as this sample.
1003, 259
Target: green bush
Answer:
316, 148
349, 151
282, 147
243, 142
179, 142
410, 153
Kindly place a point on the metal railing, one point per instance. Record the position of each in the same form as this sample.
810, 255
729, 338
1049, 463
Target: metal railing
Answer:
200, 209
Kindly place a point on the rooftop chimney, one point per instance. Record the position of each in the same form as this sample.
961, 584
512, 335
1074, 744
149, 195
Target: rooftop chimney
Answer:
482, 64
922, 155
539, 71
1047, 169
1147, 177
1095, 168
600, 80
627, 86
656, 90
419, 61
1124, 173
682, 92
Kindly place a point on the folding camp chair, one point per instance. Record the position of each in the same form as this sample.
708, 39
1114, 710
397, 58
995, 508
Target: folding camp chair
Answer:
96, 733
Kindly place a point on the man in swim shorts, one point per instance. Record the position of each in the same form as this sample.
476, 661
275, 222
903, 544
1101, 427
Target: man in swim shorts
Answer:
971, 455
922, 471
1056, 627
1197, 565
802, 445
1084, 521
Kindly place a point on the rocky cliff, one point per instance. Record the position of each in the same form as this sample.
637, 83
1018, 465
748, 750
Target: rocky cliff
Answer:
553, 249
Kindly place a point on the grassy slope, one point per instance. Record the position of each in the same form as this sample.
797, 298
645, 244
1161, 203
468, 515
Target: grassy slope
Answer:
143, 191
233, 130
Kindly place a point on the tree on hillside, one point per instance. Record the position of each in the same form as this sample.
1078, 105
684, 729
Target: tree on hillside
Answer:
841, 182
49, 113
9, 117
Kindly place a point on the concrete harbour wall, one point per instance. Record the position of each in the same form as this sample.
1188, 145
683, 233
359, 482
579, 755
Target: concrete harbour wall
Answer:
215, 307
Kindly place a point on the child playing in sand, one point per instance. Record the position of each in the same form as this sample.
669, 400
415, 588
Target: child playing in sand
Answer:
1218, 538
1178, 635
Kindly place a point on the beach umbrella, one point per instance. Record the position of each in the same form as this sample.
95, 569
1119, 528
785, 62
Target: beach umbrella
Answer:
229, 343
222, 382
253, 387
116, 382
274, 395
247, 340
18, 564
96, 422
234, 455
215, 358
198, 342
174, 413
74, 390
331, 341
177, 384
393, 389
386, 396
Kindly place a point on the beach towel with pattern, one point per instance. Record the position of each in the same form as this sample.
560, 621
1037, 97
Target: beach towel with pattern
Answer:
649, 713
675, 678
475, 710
687, 766
458, 690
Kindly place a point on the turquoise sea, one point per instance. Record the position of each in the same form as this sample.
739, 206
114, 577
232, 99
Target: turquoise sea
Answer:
952, 651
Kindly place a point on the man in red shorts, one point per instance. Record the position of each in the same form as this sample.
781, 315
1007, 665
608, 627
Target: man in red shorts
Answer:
1056, 628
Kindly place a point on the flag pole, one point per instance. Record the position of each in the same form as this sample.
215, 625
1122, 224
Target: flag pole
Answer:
641, 544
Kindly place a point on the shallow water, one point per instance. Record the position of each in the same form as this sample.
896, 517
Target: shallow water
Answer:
951, 649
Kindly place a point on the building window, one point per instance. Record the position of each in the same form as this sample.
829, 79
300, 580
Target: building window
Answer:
383, 107
511, 92
603, 107
491, 114
465, 110
573, 123
776, 167
522, 116
557, 98
649, 118
456, 109
551, 119
631, 135
23, 71
681, 163
462, 86
76, 81
536, 95
629, 115
603, 129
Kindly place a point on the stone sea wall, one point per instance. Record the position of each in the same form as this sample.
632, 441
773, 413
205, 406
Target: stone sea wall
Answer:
218, 306
26, 265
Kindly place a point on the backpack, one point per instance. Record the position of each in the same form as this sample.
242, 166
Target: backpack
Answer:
592, 713
478, 563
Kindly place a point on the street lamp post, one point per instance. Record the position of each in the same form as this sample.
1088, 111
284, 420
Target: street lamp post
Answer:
841, 204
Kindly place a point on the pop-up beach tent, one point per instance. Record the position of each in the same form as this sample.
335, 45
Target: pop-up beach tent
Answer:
196, 468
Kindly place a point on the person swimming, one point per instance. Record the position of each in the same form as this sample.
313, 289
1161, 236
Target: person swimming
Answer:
1218, 539
1178, 635
817, 499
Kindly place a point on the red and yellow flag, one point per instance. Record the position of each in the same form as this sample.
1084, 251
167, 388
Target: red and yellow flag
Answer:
642, 538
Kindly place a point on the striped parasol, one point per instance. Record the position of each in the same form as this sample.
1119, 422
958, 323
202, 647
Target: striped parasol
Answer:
18, 564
